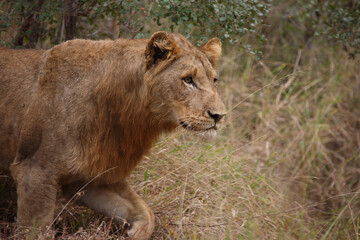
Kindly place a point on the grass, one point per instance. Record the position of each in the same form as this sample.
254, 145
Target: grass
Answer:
285, 165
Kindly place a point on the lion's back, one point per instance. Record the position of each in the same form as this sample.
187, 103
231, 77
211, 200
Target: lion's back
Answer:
18, 70
66, 77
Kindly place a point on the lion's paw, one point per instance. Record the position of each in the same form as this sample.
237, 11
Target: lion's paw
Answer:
141, 230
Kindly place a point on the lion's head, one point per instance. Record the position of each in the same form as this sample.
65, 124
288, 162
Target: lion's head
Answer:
184, 78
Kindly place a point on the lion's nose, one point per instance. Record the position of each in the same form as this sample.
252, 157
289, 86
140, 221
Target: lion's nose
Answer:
217, 117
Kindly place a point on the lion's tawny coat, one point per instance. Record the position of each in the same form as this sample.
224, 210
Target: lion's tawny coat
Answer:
88, 111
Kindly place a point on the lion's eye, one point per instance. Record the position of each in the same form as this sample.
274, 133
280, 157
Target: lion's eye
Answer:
215, 80
188, 80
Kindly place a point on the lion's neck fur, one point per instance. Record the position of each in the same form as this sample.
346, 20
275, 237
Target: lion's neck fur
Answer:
125, 121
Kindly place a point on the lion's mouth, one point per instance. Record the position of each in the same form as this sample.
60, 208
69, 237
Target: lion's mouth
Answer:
191, 128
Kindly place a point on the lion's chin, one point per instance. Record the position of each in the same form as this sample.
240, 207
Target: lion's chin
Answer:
209, 134
203, 134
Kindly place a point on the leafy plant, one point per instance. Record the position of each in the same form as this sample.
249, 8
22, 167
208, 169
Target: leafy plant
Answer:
337, 22
228, 19
342, 23
198, 20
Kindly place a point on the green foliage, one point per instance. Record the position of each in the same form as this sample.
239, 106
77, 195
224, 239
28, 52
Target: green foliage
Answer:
337, 22
198, 20
228, 19
16, 15
342, 23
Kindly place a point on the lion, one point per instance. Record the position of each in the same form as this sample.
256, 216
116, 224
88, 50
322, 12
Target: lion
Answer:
81, 115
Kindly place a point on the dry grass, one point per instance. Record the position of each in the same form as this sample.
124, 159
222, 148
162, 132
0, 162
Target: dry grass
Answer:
285, 166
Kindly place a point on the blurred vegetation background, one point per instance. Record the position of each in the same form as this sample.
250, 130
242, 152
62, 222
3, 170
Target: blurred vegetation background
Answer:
43, 23
286, 165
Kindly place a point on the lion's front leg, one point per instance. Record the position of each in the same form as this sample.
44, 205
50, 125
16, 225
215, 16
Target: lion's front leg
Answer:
36, 197
124, 205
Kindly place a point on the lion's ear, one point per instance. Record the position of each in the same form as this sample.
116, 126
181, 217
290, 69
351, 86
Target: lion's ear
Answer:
212, 50
161, 46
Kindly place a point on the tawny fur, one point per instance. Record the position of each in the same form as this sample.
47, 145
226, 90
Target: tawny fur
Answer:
89, 110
